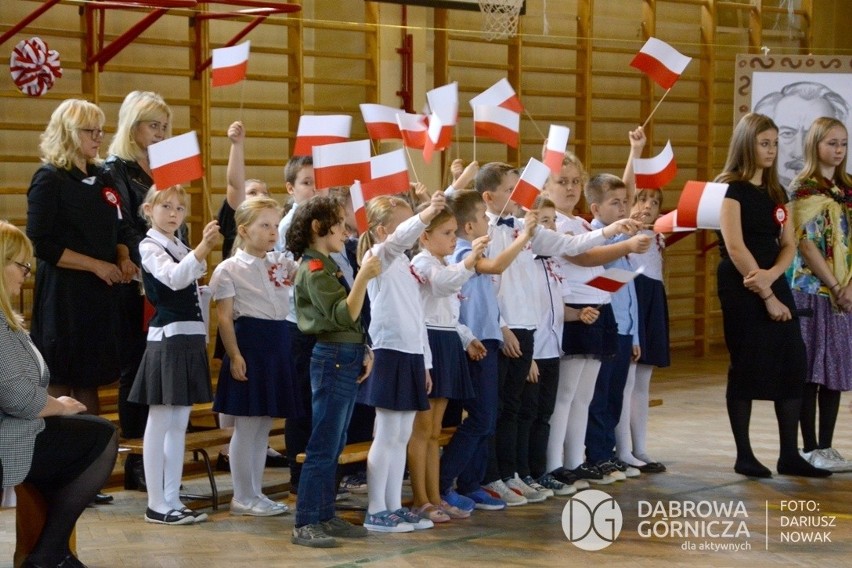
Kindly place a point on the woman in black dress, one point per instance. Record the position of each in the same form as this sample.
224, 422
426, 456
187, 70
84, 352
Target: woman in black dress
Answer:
763, 338
73, 221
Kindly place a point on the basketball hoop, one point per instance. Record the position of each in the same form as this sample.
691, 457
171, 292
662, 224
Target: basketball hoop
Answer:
500, 18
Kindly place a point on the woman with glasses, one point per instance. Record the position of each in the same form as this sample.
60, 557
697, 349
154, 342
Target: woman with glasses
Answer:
73, 220
42, 440
143, 119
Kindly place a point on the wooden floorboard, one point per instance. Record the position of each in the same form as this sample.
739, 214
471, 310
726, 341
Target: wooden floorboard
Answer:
688, 432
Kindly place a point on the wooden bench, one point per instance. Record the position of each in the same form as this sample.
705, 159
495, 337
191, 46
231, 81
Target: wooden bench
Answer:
30, 515
197, 442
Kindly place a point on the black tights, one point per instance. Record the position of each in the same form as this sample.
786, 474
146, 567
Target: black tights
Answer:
67, 499
787, 415
829, 406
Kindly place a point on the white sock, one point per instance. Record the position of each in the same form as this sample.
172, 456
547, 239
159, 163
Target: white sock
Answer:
175, 445
623, 439
153, 454
245, 442
578, 417
639, 411
387, 454
569, 378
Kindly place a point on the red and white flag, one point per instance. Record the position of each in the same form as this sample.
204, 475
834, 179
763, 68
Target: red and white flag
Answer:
316, 130
388, 175
176, 160
444, 104
499, 94
341, 163
668, 224
413, 129
530, 185
700, 204
497, 123
612, 279
554, 151
230, 64
381, 121
359, 206
661, 62
654, 173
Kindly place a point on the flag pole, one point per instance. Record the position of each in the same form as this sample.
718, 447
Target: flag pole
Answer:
242, 97
207, 197
656, 107
407, 153
540, 133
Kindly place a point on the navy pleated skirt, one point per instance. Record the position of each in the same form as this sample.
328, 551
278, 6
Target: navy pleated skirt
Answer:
653, 321
597, 339
450, 373
397, 382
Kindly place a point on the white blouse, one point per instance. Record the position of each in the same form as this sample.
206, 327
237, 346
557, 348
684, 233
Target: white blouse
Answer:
259, 286
440, 289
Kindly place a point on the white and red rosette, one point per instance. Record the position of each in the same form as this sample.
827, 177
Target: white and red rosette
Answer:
780, 215
34, 67
110, 195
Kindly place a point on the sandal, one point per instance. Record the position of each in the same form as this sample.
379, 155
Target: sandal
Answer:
433, 513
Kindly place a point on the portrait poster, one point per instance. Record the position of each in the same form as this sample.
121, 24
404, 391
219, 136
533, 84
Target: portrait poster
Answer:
794, 90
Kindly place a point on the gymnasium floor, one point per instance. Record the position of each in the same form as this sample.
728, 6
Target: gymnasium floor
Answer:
767, 523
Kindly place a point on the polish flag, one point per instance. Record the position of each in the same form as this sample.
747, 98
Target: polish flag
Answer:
444, 104
388, 175
413, 129
612, 279
316, 130
175, 160
661, 62
700, 204
554, 151
668, 224
529, 186
653, 173
499, 94
230, 64
498, 123
341, 163
381, 121
359, 206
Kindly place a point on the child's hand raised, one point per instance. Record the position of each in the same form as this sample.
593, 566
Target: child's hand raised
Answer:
371, 266
456, 168
637, 140
466, 175
530, 222
477, 250
211, 235
436, 205
236, 132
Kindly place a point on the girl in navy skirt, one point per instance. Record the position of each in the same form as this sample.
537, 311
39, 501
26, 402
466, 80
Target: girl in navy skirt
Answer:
440, 285
400, 381
174, 373
631, 432
255, 382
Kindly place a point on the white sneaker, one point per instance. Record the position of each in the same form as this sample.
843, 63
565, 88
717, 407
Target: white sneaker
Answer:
517, 485
829, 459
546, 491
499, 490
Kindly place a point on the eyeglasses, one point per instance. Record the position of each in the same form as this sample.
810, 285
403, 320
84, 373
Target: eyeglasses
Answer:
25, 267
95, 133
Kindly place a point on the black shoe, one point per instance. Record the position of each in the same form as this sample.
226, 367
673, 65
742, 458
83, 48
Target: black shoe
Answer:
798, 466
134, 473
652, 467
102, 499
173, 517
752, 468
277, 461
223, 462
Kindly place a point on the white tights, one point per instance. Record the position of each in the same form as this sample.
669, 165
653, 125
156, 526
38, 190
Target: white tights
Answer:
567, 442
632, 430
164, 443
248, 456
386, 460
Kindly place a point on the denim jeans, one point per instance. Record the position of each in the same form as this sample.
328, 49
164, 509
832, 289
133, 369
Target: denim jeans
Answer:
605, 408
334, 371
466, 456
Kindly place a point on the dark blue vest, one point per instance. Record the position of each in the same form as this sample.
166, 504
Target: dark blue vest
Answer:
170, 306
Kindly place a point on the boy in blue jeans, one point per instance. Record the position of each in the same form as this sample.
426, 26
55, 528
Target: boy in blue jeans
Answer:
607, 198
328, 309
